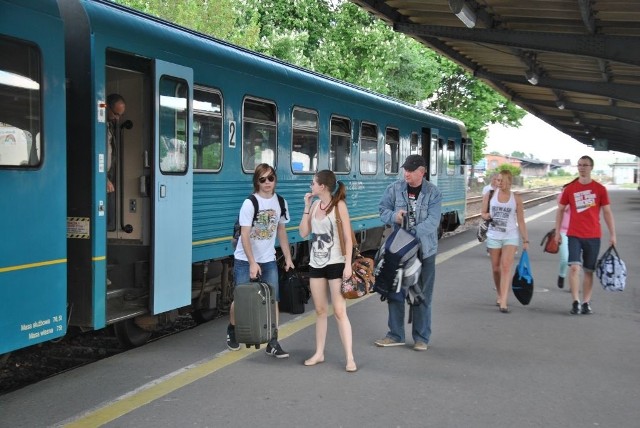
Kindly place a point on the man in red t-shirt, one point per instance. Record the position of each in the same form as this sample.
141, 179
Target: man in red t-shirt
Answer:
584, 197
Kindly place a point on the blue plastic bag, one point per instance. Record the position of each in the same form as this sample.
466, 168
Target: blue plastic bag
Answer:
522, 284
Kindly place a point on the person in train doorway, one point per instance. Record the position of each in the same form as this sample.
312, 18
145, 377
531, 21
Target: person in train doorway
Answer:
255, 253
506, 212
585, 198
421, 201
328, 265
115, 109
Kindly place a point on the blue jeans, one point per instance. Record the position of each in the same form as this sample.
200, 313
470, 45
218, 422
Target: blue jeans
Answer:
269, 274
584, 251
421, 324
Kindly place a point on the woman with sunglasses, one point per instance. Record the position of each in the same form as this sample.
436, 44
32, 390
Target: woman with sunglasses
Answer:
327, 265
255, 253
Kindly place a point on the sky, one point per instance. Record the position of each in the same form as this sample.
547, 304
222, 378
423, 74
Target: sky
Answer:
544, 142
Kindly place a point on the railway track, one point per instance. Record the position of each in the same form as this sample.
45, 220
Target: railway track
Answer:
31, 365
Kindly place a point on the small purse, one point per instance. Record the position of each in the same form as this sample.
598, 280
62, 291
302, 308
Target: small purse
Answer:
483, 227
362, 278
549, 242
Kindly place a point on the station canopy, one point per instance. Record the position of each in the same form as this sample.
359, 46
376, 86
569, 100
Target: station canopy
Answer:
573, 63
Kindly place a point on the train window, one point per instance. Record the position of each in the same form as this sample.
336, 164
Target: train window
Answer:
20, 110
207, 130
434, 155
441, 159
174, 149
414, 144
259, 133
340, 150
451, 157
368, 148
392, 151
304, 140
466, 158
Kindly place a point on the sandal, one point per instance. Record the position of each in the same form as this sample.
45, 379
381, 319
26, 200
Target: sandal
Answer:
312, 362
351, 367
504, 310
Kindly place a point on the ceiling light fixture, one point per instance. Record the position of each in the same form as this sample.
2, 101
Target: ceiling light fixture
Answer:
560, 104
576, 120
532, 77
463, 12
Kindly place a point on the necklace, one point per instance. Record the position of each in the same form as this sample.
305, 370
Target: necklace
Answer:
327, 206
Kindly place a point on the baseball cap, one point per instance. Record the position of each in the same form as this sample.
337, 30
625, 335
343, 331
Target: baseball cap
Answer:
413, 162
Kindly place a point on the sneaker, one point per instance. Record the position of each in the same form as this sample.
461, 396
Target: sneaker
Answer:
387, 341
274, 349
575, 308
420, 346
560, 282
586, 309
231, 339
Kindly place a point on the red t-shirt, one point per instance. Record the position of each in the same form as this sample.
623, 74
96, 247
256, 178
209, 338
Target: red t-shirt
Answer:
585, 201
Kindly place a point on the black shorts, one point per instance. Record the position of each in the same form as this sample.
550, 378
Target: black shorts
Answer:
333, 271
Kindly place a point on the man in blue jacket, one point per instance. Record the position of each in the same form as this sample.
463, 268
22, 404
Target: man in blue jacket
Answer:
421, 201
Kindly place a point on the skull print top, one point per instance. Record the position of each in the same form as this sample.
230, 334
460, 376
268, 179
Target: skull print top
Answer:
325, 244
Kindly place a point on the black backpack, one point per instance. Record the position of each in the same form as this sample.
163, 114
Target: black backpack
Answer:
254, 201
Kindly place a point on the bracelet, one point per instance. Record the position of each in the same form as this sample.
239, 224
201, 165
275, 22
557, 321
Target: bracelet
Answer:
526, 242
305, 213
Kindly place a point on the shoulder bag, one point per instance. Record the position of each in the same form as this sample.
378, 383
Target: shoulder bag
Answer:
362, 278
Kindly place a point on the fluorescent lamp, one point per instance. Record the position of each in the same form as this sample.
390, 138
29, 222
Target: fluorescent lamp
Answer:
463, 12
532, 77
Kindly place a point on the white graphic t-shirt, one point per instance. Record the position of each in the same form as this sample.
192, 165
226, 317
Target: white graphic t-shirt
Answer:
264, 231
503, 216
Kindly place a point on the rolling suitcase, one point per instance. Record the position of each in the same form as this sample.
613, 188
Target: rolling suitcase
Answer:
255, 313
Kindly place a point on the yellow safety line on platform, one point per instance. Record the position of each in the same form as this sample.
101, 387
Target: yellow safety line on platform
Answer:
172, 382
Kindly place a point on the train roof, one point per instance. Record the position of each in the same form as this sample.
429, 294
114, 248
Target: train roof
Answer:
105, 16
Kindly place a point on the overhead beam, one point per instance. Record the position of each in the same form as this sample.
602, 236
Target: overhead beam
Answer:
615, 48
627, 114
619, 91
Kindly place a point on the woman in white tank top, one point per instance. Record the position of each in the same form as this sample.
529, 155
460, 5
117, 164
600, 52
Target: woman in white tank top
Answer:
506, 211
327, 265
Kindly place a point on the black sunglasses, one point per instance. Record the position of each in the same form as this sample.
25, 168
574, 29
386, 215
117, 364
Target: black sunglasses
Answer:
271, 178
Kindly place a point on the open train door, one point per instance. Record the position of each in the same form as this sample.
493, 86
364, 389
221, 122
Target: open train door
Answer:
172, 188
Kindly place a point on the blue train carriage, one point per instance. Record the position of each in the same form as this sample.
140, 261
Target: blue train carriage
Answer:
200, 115
33, 270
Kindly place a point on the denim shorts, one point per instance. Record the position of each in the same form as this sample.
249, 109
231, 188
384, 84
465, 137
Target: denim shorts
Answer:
499, 243
584, 251
333, 271
269, 274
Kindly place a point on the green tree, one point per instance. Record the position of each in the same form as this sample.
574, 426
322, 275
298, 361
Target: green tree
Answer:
517, 154
223, 19
515, 170
473, 102
341, 40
